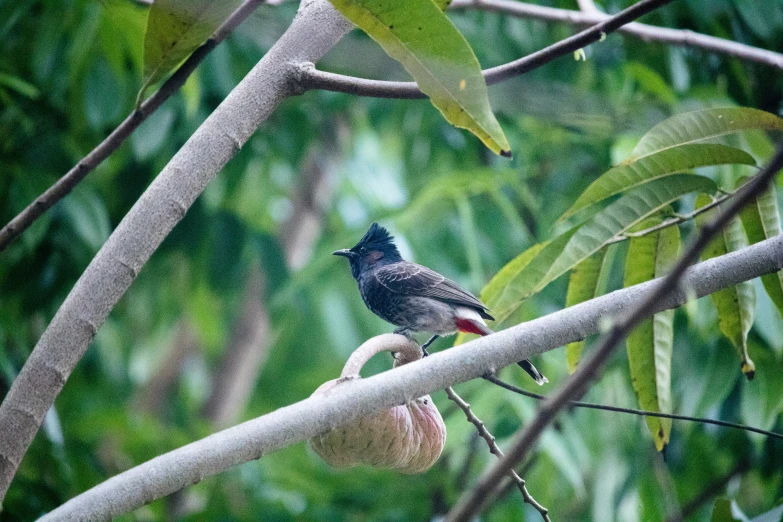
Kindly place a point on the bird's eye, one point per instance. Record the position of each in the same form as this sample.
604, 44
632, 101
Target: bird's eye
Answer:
363, 250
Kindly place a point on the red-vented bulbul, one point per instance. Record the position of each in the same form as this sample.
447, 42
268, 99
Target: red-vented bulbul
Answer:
413, 297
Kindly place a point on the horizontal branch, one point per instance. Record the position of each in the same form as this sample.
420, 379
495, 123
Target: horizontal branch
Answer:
117, 137
311, 78
647, 33
303, 420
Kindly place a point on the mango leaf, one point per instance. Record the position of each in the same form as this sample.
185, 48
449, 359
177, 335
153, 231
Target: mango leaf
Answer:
657, 165
736, 305
175, 28
649, 346
419, 36
620, 216
517, 281
691, 127
583, 285
762, 221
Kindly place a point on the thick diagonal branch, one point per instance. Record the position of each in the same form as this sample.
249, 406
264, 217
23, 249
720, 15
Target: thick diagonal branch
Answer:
253, 439
316, 28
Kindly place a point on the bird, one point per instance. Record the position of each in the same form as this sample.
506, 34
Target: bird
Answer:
413, 297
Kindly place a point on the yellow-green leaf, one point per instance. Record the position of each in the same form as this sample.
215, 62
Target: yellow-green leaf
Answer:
583, 284
419, 36
649, 346
175, 28
761, 219
736, 305
657, 165
692, 127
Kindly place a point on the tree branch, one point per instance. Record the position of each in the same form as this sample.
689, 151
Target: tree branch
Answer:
647, 33
283, 427
311, 78
495, 450
575, 386
316, 28
112, 142
633, 411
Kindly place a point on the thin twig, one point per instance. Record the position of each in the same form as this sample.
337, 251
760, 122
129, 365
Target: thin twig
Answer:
647, 33
112, 142
644, 413
495, 450
311, 78
676, 220
575, 386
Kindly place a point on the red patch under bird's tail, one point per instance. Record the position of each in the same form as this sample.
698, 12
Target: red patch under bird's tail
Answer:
471, 326
475, 327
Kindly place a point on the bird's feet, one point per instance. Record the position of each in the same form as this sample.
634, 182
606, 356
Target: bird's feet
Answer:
426, 345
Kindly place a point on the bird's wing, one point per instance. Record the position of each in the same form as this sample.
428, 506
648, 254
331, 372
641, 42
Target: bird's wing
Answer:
412, 279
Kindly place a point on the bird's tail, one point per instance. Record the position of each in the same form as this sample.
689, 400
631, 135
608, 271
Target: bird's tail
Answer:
533, 372
476, 327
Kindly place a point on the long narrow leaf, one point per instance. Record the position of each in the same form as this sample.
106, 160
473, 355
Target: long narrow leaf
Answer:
419, 36
762, 221
583, 284
649, 346
692, 127
736, 305
657, 165
621, 215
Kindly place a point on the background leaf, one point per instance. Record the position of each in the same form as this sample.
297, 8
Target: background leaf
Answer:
419, 36
735, 305
701, 125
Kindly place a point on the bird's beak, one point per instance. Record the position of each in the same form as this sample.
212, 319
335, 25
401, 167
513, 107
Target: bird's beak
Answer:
345, 253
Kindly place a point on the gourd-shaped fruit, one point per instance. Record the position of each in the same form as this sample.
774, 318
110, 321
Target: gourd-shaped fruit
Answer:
408, 438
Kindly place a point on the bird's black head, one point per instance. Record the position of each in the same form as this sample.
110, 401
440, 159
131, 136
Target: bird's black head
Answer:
376, 248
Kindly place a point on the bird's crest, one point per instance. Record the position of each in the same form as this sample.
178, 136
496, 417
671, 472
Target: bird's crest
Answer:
377, 238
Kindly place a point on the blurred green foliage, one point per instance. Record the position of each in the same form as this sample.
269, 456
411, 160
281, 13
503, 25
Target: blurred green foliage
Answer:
69, 73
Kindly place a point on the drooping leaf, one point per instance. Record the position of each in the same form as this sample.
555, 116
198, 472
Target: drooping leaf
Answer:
175, 28
761, 220
691, 127
657, 165
620, 216
649, 346
583, 284
736, 305
419, 36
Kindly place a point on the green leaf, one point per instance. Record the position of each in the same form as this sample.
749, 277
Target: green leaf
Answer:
649, 346
621, 215
657, 165
761, 219
516, 281
175, 28
583, 284
701, 125
419, 36
735, 305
